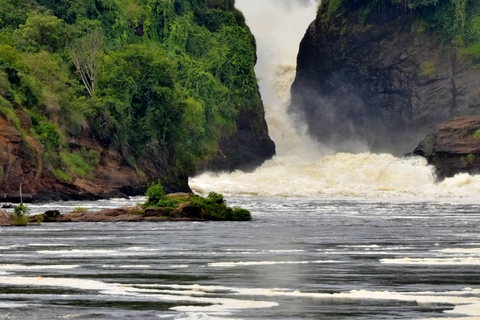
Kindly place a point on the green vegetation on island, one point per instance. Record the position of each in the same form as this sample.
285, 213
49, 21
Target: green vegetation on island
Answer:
212, 207
158, 207
159, 81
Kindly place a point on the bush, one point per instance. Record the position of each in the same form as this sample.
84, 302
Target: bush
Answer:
19, 216
155, 194
49, 135
239, 214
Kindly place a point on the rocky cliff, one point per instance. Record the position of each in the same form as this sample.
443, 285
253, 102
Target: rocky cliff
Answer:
385, 76
453, 147
100, 98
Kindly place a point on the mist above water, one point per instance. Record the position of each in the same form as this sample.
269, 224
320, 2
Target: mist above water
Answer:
303, 166
278, 26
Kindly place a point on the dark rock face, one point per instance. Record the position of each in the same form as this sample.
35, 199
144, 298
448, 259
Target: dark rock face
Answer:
453, 147
248, 148
383, 83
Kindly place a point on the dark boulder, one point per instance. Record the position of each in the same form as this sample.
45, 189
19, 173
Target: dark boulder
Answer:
453, 147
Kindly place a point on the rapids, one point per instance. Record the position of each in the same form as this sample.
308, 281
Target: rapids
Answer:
356, 236
304, 167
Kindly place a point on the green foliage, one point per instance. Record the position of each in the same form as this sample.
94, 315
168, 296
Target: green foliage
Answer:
49, 135
61, 175
81, 209
329, 9
42, 31
427, 69
456, 22
14, 12
169, 79
74, 165
155, 194
213, 207
469, 158
19, 216
91, 156
239, 214
476, 135
9, 114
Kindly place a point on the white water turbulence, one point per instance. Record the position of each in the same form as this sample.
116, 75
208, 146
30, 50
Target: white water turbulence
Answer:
278, 26
303, 167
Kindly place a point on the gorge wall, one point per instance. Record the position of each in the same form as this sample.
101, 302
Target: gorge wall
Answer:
383, 75
100, 98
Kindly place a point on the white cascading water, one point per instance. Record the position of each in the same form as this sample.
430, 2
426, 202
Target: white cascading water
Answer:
303, 167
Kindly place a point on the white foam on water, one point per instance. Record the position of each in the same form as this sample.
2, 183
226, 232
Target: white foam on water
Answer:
303, 167
194, 295
136, 266
202, 316
466, 302
48, 245
36, 267
179, 266
475, 251
373, 176
97, 252
264, 263
12, 305
433, 261
79, 252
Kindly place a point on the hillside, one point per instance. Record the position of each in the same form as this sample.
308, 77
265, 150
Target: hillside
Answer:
100, 97
383, 74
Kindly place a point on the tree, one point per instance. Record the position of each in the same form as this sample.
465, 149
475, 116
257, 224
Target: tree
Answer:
86, 53
42, 31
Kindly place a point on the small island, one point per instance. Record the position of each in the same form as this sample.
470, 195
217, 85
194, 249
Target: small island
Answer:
158, 207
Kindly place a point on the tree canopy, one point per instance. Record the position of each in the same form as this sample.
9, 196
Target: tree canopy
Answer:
161, 81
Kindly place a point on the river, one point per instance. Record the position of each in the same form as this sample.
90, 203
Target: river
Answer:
333, 235
300, 258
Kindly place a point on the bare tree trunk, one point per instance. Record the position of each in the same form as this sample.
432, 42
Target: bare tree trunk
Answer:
85, 53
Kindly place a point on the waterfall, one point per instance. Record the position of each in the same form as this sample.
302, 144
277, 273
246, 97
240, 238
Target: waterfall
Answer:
304, 167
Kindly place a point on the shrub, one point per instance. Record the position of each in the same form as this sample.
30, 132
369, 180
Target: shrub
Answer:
49, 135
19, 216
155, 194
476, 135
239, 214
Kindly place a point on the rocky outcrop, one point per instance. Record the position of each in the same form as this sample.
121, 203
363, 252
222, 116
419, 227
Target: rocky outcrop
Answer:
5, 220
384, 82
22, 165
248, 148
453, 147
181, 207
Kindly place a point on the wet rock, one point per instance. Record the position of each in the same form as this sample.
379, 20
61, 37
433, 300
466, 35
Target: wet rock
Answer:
5, 218
453, 147
383, 83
